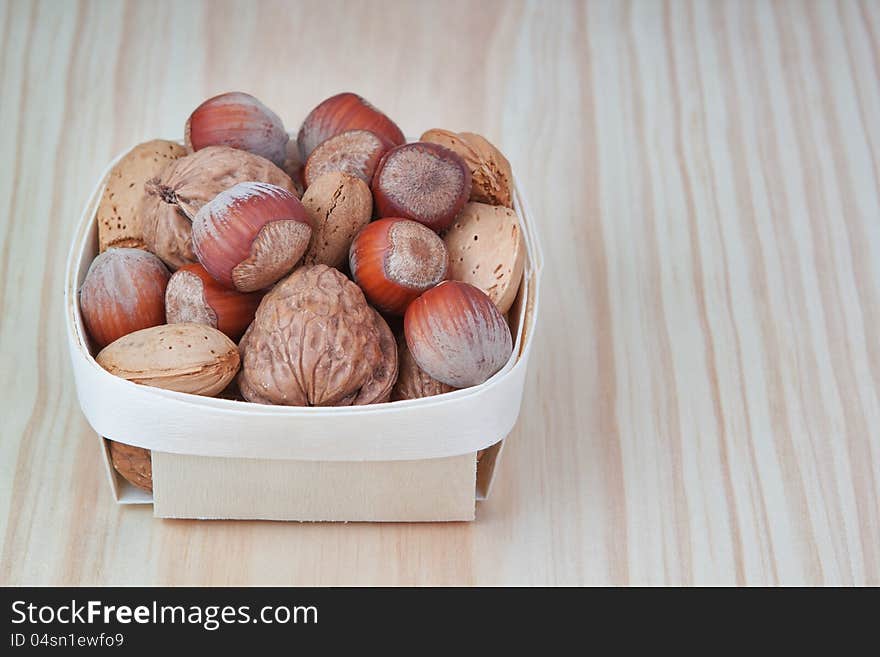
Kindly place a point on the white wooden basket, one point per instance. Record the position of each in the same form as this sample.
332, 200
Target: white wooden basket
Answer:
411, 460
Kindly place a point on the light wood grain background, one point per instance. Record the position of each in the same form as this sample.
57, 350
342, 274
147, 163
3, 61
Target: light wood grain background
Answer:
702, 406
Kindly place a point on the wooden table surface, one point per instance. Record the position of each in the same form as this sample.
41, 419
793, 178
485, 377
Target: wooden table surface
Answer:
702, 403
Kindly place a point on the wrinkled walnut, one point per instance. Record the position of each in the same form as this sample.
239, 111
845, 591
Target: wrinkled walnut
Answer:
316, 342
172, 199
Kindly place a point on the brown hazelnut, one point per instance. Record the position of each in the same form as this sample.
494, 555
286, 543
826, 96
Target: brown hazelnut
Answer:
194, 296
456, 334
250, 235
345, 111
423, 182
123, 292
395, 260
339, 205
491, 177
355, 152
238, 120
172, 200
316, 342
412, 381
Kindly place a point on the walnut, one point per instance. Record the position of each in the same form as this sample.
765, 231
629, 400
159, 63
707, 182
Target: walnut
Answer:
316, 342
172, 199
412, 381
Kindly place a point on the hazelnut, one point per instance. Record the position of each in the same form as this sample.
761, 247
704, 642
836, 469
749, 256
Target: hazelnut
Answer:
124, 291
456, 334
356, 152
423, 182
119, 222
316, 342
194, 296
412, 381
173, 199
338, 205
345, 111
395, 260
491, 176
251, 235
486, 249
240, 121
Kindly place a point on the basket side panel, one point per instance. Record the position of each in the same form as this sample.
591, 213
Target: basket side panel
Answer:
186, 486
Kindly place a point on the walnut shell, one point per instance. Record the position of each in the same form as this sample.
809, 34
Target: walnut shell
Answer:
135, 464
316, 342
491, 176
339, 205
412, 381
172, 199
119, 222
378, 387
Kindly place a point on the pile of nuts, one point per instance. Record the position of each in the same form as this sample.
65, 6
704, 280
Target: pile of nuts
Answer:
263, 269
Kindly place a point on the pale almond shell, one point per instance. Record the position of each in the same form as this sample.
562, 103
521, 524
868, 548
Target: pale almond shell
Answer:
486, 249
339, 205
119, 222
190, 358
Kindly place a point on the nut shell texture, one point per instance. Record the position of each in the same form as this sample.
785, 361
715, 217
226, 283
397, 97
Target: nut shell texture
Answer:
240, 121
423, 182
486, 249
339, 205
395, 260
251, 235
173, 199
412, 381
491, 176
184, 357
314, 342
135, 464
345, 111
119, 222
456, 334
123, 292
355, 152
193, 296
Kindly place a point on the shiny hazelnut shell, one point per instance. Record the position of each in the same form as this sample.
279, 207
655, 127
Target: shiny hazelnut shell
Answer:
251, 235
456, 334
421, 181
123, 292
394, 260
194, 296
345, 111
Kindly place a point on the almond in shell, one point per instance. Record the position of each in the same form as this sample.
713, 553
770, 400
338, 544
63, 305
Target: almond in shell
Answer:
119, 222
486, 249
189, 358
